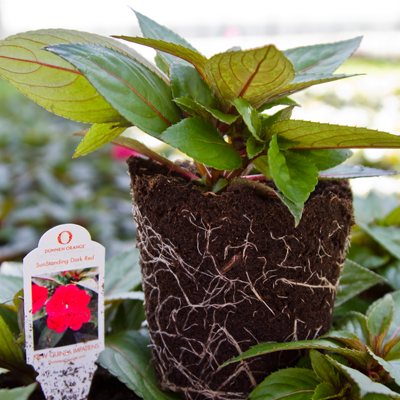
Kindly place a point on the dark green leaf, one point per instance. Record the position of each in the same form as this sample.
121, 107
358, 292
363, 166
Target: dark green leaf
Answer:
187, 82
202, 141
255, 75
388, 237
394, 329
296, 209
161, 64
177, 50
19, 393
153, 30
12, 357
326, 159
254, 147
10, 318
364, 384
356, 323
127, 355
354, 280
392, 273
116, 297
122, 273
324, 369
313, 135
48, 337
324, 390
322, 344
322, 58
138, 94
281, 115
250, 116
287, 384
346, 171
129, 314
366, 257
286, 101
98, 136
376, 396
293, 174
379, 318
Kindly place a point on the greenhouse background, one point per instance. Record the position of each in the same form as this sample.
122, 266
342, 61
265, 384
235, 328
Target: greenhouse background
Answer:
42, 186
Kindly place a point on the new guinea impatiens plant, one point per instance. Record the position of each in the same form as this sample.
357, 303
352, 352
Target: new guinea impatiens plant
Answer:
245, 245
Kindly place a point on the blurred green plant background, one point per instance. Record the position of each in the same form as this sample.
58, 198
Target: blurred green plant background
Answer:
42, 186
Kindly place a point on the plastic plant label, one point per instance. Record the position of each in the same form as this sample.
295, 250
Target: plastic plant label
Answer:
64, 310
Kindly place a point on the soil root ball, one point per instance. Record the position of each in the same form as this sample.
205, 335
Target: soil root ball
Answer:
223, 273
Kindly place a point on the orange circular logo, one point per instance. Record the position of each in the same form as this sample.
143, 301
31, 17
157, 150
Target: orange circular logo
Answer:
64, 237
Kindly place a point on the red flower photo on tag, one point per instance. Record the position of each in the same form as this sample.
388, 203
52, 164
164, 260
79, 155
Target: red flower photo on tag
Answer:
39, 297
67, 308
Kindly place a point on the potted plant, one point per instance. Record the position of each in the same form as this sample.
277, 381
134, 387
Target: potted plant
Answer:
245, 245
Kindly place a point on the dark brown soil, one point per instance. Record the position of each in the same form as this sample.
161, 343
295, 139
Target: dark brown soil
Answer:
222, 273
104, 387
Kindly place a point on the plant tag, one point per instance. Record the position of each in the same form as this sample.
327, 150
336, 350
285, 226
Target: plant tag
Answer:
64, 310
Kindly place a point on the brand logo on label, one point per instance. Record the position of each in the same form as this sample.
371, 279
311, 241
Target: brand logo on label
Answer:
64, 237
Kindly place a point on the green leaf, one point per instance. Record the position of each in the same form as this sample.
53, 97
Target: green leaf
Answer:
125, 315
12, 357
392, 370
254, 147
296, 209
98, 136
139, 94
346, 171
122, 273
379, 318
54, 83
324, 369
127, 356
324, 390
256, 75
9, 286
293, 174
394, 329
153, 30
202, 141
388, 237
250, 116
326, 159
177, 50
194, 108
187, 82
356, 323
364, 384
220, 184
262, 164
286, 101
322, 344
349, 339
313, 135
367, 257
48, 337
288, 384
322, 58
393, 218
10, 317
19, 393
392, 273
281, 115
354, 280
135, 145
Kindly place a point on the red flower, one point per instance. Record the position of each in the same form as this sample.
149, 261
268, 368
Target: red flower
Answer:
67, 308
39, 297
